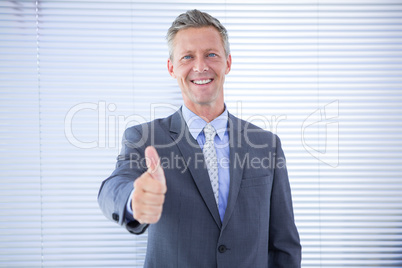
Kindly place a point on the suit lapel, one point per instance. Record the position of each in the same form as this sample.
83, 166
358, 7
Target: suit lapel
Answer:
194, 157
238, 150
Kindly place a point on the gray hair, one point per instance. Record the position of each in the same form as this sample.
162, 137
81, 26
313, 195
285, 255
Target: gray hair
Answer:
196, 19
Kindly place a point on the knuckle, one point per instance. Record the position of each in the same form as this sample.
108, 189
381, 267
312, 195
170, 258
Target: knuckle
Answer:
136, 211
161, 188
138, 183
136, 216
158, 210
154, 218
159, 213
135, 201
162, 200
137, 196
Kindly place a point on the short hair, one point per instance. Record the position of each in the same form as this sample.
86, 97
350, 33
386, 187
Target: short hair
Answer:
196, 19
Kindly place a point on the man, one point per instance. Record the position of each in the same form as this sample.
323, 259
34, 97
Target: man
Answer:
214, 191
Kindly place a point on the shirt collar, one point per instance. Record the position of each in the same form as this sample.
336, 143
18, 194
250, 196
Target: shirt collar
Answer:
196, 124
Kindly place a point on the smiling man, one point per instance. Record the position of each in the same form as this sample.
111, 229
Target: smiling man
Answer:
199, 63
227, 202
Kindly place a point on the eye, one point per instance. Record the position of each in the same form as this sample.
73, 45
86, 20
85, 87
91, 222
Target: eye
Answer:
211, 55
186, 57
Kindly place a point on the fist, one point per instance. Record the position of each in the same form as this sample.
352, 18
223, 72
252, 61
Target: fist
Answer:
149, 190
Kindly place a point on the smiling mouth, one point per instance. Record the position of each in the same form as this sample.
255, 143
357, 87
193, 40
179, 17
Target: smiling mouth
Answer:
202, 82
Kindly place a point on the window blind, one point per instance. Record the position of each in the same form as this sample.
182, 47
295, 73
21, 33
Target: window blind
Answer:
324, 75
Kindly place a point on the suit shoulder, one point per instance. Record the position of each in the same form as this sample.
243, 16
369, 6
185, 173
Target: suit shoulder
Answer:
141, 133
249, 127
254, 136
156, 123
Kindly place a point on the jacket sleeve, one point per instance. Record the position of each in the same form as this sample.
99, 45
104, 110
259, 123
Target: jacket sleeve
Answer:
284, 242
115, 191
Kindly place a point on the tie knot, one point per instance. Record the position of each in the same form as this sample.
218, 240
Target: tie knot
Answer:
209, 132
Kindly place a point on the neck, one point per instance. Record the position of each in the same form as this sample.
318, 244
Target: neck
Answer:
206, 112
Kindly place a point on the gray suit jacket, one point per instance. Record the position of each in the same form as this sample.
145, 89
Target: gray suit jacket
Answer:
258, 229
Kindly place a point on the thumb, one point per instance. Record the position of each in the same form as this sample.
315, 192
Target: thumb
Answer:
153, 164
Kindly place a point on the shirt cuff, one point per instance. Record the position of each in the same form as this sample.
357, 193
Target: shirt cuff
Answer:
129, 211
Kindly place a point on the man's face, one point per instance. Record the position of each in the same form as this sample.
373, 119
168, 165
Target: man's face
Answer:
199, 64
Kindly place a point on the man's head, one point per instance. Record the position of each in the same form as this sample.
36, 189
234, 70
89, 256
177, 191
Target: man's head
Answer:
199, 61
196, 19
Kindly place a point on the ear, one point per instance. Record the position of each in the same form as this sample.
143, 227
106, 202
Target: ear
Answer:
170, 68
228, 64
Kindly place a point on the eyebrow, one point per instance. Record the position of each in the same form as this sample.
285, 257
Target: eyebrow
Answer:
191, 51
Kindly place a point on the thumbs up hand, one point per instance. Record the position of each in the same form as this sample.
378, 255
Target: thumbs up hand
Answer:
149, 190
153, 164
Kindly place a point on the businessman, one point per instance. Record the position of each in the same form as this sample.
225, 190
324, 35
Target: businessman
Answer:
212, 190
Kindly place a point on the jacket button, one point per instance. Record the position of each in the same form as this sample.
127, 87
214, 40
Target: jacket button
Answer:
115, 216
222, 249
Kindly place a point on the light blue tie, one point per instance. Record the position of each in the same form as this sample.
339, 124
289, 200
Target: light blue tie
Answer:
211, 159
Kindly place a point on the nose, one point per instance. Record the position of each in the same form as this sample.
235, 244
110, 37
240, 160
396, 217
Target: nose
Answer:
200, 65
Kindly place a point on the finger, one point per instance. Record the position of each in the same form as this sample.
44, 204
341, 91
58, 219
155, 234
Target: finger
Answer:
147, 184
149, 199
150, 211
148, 214
148, 219
153, 164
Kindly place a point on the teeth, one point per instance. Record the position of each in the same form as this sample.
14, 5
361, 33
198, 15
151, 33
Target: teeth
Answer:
202, 82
